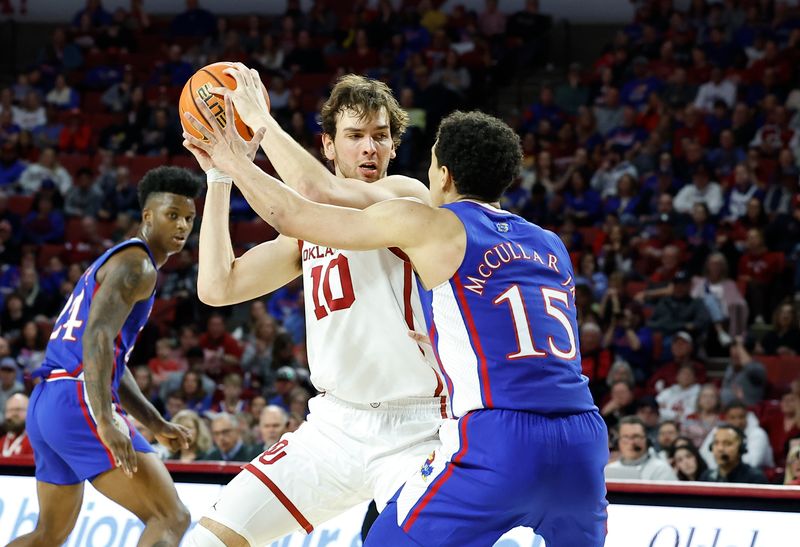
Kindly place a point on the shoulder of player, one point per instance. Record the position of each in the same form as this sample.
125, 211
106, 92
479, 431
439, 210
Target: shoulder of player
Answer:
131, 271
408, 187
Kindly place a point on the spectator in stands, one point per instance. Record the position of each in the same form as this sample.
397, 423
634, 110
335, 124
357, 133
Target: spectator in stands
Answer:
637, 460
231, 402
608, 114
285, 381
14, 317
228, 443
605, 180
286, 305
194, 22
629, 339
181, 284
11, 167
702, 190
175, 402
84, 198
681, 347
44, 224
200, 437
75, 136
678, 400
272, 423
718, 88
223, 350
47, 168
792, 477
9, 372
783, 425
668, 431
120, 198
759, 270
726, 306
687, 462
728, 448
759, 451
784, 338
620, 403
705, 418
304, 58
194, 394
31, 115
148, 386
572, 94
30, 348
15, 442
257, 355
96, 14
160, 137
595, 359
679, 311
745, 378
164, 363
62, 96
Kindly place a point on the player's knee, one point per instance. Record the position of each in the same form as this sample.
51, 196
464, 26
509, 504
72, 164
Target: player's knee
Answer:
180, 518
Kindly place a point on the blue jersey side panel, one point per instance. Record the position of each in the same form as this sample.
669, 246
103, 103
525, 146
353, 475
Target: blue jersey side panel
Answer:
65, 348
515, 294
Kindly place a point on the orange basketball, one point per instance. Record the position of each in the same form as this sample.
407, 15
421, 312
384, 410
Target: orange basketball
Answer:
198, 86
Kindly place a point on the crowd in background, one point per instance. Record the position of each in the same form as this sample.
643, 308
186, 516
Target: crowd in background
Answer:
668, 166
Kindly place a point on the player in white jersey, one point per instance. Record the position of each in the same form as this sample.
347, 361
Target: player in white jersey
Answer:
382, 398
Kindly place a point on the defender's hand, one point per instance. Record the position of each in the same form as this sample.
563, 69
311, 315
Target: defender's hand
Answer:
173, 436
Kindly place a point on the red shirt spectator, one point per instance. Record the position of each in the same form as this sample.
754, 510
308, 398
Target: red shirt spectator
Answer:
222, 350
757, 264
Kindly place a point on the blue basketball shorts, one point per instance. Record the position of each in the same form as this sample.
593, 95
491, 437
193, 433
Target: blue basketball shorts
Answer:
499, 469
63, 433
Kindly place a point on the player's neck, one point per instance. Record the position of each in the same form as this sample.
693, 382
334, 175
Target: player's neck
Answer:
160, 256
495, 204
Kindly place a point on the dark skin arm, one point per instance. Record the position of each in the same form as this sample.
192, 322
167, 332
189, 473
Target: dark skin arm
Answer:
127, 278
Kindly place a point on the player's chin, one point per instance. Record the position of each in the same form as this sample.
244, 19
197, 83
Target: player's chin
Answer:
176, 244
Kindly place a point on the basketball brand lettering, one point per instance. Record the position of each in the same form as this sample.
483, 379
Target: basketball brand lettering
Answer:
504, 253
213, 102
310, 253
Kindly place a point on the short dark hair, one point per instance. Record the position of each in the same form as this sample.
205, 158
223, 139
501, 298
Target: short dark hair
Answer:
736, 403
482, 153
168, 179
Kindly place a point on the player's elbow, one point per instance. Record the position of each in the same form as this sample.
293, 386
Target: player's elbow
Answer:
209, 294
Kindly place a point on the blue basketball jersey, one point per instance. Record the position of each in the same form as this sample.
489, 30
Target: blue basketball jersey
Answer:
504, 327
65, 348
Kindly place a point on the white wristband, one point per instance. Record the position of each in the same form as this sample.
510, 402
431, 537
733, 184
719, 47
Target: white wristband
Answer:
215, 175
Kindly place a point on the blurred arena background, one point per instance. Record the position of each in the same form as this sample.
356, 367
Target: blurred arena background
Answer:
661, 142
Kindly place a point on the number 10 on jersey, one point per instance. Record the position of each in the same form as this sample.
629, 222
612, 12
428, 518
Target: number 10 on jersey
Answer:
324, 298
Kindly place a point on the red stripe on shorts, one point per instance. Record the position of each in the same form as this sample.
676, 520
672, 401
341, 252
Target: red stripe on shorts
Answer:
91, 423
298, 516
442, 478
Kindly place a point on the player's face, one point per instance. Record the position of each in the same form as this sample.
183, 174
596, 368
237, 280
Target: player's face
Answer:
362, 148
170, 218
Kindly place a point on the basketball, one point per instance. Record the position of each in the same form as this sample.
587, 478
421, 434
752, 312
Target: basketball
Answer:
198, 86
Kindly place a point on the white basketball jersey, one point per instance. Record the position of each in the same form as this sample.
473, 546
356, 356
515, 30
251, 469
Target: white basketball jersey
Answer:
359, 307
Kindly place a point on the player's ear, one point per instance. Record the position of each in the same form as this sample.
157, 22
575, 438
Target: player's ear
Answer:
328, 147
393, 153
446, 178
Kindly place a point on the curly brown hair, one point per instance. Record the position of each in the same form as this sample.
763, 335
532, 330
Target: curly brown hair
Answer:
364, 96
